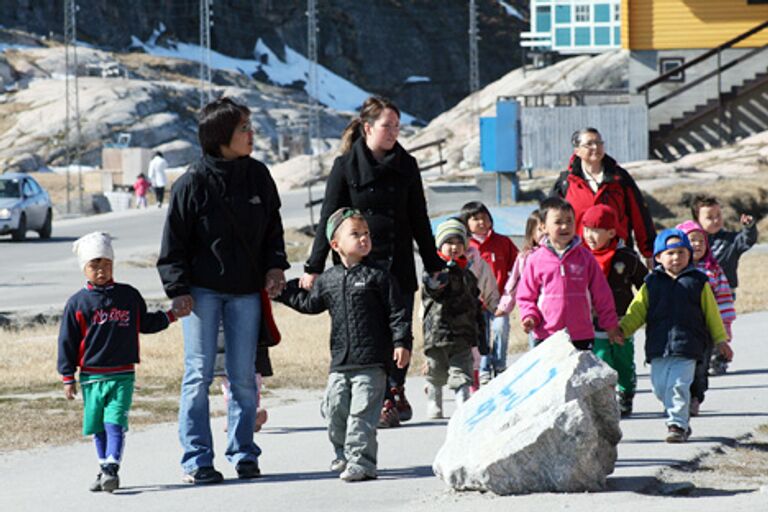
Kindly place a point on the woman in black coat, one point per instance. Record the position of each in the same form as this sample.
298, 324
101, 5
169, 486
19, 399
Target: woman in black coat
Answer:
378, 177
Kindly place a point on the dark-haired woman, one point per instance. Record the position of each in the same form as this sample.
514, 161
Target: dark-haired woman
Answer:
378, 177
222, 246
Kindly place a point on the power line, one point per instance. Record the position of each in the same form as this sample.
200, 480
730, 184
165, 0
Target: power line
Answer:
313, 124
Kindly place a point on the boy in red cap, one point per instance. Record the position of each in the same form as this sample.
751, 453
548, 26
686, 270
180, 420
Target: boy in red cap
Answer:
623, 269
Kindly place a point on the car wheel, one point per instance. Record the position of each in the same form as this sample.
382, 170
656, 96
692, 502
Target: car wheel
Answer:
45, 231
20, 234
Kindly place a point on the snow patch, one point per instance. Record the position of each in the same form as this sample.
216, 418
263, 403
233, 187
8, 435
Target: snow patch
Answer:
332, 90
511, 9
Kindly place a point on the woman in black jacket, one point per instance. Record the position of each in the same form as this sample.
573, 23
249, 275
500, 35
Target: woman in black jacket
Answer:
378, 177
222, 252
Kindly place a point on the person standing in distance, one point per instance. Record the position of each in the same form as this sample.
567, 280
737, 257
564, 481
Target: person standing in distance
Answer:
156, 174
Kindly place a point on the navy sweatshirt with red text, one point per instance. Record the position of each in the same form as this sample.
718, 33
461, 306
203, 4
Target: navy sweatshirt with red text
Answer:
100, 330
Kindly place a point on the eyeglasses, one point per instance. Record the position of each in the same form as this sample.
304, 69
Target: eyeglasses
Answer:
247, 127
593, 144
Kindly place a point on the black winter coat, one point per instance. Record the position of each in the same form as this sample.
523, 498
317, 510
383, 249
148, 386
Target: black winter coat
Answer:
453, 314
391, 197
200, 246
368, 318
627, 271
727, 248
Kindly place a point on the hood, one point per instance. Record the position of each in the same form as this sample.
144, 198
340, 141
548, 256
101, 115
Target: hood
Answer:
9, 202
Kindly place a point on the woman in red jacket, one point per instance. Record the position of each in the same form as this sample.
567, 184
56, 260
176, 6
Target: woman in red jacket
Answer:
595, 178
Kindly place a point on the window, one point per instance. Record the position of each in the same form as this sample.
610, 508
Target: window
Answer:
617, 35
581, 36
582, 12
757, 2
562, 13
27, 189
602, 36
543, 19
562, 37
667, 64
602, 12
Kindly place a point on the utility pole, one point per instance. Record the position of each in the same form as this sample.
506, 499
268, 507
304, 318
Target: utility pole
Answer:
313, 122
72, 100
474, 56
206, 9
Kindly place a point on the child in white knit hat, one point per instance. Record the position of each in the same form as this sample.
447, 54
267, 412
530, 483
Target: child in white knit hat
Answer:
99, 334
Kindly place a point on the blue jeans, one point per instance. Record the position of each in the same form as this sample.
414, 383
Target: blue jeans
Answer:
671, 379
241, 317
497, 334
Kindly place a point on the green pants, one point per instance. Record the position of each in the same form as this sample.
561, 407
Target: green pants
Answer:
446, 365
106, 401
619, 357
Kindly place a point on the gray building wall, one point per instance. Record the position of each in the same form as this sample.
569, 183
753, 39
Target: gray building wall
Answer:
644, 66
546, 132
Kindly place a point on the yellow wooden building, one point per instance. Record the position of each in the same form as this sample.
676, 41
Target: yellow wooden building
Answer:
689, 24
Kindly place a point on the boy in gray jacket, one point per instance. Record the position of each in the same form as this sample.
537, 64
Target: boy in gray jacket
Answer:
369, 330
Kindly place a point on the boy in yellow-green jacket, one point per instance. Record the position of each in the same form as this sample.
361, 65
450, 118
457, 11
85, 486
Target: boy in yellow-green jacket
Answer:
682, 318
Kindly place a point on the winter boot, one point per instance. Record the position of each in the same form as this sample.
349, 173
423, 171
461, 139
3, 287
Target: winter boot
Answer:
434, 401
109, 478
462, 395
625, 400
389, 417
404, 410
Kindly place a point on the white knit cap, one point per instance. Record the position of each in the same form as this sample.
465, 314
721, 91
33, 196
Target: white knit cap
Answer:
91, 246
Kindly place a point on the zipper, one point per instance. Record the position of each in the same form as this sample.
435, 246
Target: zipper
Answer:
346, 315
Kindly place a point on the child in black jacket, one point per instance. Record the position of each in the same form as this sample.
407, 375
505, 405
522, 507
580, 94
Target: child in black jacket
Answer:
369, 328
100, 334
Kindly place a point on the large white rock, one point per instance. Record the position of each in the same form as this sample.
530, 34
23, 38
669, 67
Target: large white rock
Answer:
550, 423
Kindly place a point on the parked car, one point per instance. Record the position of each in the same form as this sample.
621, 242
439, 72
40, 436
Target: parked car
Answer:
24, 206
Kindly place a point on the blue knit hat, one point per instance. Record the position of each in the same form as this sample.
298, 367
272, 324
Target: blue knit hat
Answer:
661, 245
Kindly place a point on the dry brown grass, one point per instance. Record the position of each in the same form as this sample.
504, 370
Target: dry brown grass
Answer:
752, 293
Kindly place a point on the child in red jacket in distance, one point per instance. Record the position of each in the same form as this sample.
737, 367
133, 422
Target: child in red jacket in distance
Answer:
500, 254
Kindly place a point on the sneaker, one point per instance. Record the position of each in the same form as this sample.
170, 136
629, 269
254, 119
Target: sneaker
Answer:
96, 485
389, 417
355, 474
203, 476
247, 469
625, 403
338, 465
261, 419
404, 410
109, 479
695, 406
484, 378
676, 434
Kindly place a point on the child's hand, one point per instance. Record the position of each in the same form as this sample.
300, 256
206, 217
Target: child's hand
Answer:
725, 350
475, 358
615, 336
746, 220
499, 312
528, 324
401, 357
182, 305
70, 391
425, 368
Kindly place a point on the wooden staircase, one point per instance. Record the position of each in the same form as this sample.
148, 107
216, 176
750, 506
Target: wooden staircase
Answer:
729, 113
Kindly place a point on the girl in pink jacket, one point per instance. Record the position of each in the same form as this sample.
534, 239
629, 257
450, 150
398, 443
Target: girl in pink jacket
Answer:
562, 283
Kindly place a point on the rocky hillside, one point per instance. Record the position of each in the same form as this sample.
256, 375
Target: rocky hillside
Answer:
415, 52
157, 105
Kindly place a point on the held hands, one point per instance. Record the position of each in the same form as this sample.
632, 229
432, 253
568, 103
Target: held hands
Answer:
499, 312
401, 356
274, 282
70, 391
182, 305
615, 336
307, 281
528, 324
725, 350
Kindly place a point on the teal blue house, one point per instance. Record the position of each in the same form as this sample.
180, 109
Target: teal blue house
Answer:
574, 26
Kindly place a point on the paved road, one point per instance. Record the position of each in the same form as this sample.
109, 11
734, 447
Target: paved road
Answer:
297, 453
39, 275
